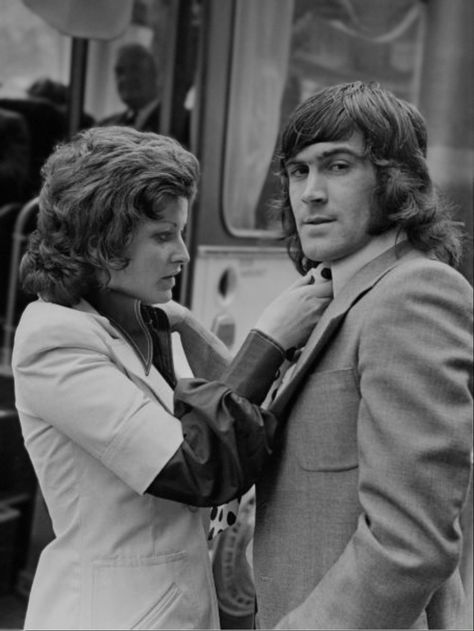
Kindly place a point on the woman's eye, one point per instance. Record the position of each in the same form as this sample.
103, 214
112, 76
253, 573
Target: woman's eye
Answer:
162, 237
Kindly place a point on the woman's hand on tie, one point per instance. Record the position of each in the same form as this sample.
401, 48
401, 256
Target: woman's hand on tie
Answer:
291, 317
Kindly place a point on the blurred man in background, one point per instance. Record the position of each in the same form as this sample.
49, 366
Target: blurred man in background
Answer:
136, 76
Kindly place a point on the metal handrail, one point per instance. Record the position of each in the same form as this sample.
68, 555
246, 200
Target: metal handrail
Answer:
9, 327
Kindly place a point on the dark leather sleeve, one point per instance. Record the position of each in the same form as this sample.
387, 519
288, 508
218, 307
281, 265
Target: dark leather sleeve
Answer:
255, 367
227, 438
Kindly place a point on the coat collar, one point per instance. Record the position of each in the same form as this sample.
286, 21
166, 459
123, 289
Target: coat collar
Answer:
359, 284
131, 360
153, 381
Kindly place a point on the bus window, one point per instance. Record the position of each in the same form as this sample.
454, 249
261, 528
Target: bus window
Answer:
285, 54
29, 48
149, 28
33, 49
261, 50
54, 92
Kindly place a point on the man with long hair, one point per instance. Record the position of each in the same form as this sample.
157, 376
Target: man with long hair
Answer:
358, 512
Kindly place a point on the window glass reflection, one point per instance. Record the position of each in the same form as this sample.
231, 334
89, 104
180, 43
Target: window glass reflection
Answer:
324, 42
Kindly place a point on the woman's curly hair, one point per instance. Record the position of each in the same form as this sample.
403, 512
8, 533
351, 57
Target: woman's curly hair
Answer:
395, 138
96, 189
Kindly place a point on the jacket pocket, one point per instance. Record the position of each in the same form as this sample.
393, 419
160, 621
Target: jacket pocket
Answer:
325, 415
141, 592
155, 616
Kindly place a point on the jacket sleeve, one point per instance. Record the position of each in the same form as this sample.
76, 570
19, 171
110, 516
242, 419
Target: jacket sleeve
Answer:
414, 430
227, 436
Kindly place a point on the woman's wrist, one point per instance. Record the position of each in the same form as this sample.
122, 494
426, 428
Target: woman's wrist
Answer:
177, 314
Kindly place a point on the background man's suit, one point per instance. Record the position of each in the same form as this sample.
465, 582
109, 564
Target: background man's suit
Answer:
357, 514
151, 122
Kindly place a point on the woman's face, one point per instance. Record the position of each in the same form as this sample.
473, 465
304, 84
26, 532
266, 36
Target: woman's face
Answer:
157, 254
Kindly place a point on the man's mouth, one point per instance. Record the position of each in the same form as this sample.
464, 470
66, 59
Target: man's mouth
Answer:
316, 221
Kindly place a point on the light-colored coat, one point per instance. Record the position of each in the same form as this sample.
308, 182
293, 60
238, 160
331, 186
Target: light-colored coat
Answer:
357, 521
98, 430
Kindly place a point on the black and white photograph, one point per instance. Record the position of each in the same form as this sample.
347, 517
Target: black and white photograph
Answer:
236, 314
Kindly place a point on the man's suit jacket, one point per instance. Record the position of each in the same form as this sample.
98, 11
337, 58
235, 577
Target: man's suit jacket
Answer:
357, 521
151, 123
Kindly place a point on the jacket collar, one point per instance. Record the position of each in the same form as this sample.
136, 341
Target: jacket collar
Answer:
113, 313
131, 359
344, 269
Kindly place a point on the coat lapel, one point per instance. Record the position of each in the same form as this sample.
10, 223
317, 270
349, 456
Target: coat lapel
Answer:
153, 383
331, 319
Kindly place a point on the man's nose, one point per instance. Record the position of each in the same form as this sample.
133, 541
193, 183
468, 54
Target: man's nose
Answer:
315, 191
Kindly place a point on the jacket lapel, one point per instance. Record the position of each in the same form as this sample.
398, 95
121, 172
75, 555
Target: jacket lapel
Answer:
126, 357
331, 319
152, 383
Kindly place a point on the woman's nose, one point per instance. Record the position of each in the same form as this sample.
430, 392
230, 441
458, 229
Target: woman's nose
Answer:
181, 254
315, 190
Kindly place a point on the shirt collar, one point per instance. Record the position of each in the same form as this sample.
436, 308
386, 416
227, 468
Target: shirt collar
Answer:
344, 269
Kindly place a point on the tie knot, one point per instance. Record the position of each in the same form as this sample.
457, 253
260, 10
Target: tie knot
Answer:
326, 273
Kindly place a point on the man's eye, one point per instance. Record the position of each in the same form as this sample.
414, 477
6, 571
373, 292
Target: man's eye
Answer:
297, 170
338, 166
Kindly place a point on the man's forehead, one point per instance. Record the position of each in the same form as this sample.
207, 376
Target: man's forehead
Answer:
353, 144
